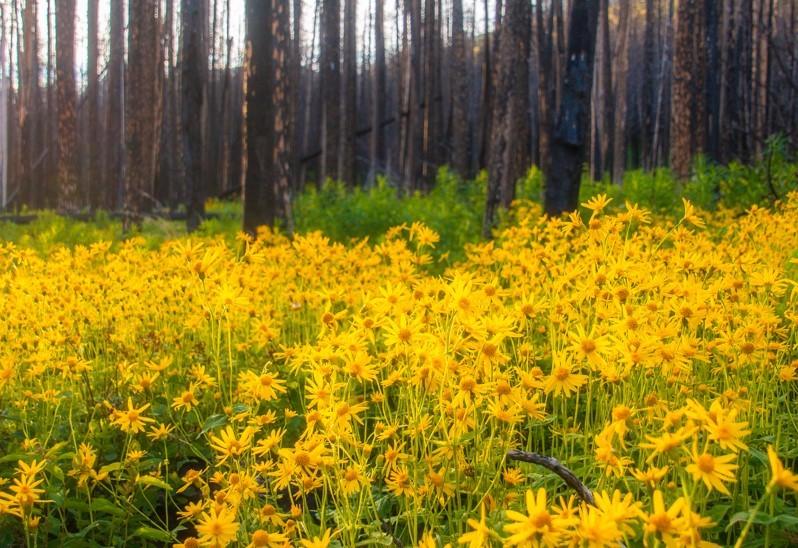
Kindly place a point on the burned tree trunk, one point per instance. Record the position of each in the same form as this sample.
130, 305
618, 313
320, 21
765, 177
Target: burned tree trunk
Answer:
191, 113
459, 93
331, 89
573, 119
142, 109
114, 158
67, 106
688, 104
509, 150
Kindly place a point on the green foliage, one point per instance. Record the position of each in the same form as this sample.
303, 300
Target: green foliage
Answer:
736, 186
453, 208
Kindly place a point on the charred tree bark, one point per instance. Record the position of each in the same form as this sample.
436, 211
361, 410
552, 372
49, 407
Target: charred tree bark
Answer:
281, 157
649, 78
114, 157
346, 160
688, 103
94, 153
67, 106
459, 93
431, 93
267, 182
509, 150
331, 89
377, 137
620, 94
142, 108
545, 86
573, 119
191, 113
28, 106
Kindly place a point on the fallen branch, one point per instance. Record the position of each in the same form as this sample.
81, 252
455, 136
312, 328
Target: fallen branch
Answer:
555, 466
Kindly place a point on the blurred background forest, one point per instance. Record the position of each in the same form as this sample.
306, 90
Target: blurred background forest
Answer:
159, 105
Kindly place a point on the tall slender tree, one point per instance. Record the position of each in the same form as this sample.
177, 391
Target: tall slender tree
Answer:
267, 182
331, 88
509, 144
191, 114
573, 117
114, 157
377, 137
29, 101
346, 159
67, 106
688, 103
93, 150
459, 93
142, 108
620, 94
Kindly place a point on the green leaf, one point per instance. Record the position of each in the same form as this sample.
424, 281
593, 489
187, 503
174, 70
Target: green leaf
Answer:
108, 468
718, 512
239, 408
155, 482
95, 525
13, 457
108, 507
787, 520
759, 519
56, 471
758, 455
151, 533
212, 422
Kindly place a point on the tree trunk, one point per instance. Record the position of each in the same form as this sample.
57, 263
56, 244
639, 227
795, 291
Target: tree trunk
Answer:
67, 106
546, 84
32, 191
509, 150
92, 105
281, 158
346, 160
3, 114
114, 157
143, 108
267, 183
573, 119
377, 137
459, 93
331, 89
430, 135
688, 102
649, 77
191, 113
487, 92
620, 95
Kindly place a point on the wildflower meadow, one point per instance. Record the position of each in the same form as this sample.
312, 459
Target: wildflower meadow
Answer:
299, 392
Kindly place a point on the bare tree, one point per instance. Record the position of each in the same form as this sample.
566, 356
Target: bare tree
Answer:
573, 118
93, 151
114, 156
142, 108
331, 88
459, 93
192, 88
688, 103
346, 159
509, 149
67, 106
377, 137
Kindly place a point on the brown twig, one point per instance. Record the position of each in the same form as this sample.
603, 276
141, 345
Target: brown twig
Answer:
555, 466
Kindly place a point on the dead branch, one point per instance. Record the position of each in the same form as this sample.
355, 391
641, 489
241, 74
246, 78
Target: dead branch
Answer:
555, 466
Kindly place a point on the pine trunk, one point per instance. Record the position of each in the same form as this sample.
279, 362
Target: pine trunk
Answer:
68, 199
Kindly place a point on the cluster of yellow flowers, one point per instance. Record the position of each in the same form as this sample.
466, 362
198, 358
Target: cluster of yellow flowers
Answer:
299, 392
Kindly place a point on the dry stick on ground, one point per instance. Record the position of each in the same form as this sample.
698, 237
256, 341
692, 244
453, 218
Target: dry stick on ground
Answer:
555, 466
